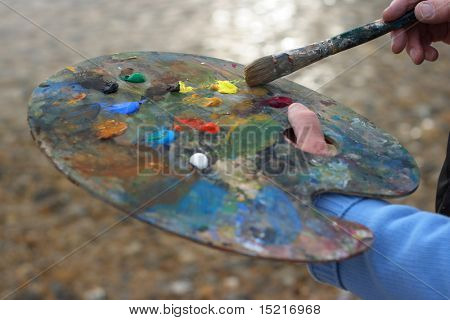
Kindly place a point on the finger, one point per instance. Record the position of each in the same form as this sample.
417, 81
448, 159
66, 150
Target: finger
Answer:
439, 32
307, 130
399, 40
433, 11
425, 36
414, 46
397, 8
431, 54
447, 37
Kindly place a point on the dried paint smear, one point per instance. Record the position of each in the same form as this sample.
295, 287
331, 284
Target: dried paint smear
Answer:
110, 128
77, 98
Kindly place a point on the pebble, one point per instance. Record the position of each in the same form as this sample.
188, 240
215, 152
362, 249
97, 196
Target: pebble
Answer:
97, 293
231, 282
180, 287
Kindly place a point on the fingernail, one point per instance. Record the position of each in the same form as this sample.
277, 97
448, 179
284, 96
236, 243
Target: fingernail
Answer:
426, 10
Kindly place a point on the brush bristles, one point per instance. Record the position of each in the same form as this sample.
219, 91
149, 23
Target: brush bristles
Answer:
260, 71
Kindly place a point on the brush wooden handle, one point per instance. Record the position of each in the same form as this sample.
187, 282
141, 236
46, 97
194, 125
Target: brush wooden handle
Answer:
290, 61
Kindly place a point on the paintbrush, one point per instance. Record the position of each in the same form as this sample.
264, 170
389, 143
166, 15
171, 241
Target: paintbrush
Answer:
269, 68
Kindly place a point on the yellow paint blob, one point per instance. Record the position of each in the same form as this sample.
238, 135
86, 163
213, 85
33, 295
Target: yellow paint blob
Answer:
224, 87
71, 69
184, 88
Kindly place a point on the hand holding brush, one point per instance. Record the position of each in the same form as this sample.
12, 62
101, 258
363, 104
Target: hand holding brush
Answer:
396, 19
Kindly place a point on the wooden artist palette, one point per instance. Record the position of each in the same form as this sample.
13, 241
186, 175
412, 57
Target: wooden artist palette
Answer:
130, 146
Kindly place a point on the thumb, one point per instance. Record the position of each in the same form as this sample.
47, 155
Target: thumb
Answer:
433, 11
308, 133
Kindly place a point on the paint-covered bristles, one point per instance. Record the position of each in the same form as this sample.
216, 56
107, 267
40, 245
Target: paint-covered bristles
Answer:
260, 71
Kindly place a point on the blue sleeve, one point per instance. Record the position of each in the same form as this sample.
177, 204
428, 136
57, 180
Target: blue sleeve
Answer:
409, 258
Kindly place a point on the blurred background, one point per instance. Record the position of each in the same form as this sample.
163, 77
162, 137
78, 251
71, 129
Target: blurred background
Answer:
43, 216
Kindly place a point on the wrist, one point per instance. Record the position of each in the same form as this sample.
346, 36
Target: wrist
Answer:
352, 208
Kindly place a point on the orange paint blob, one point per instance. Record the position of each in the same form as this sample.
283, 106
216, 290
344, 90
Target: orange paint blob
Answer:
212, 102
197, 124
210, 127
110, 128
202, 101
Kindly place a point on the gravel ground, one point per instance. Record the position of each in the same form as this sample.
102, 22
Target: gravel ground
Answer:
43, 217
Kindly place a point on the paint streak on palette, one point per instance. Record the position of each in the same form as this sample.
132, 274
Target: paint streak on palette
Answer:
125, 127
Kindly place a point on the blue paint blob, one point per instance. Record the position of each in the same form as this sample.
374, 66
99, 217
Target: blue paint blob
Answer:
124, 107
160, 137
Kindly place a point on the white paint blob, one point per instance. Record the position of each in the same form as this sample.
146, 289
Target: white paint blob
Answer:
199, 160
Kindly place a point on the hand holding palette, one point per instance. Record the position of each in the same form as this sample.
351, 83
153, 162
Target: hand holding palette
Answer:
190, 148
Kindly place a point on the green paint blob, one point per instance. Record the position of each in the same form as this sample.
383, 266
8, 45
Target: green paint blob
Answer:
136, 77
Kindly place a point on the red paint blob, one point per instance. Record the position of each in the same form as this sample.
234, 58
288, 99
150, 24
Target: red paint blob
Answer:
279, 102
234, 65
197, 124
191, 122
210, 127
